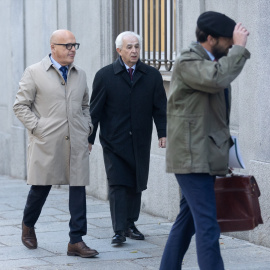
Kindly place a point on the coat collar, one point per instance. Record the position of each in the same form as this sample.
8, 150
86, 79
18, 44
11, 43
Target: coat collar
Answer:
48, 63
198, 48
118, 66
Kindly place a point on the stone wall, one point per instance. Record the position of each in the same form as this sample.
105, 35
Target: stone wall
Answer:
26, 29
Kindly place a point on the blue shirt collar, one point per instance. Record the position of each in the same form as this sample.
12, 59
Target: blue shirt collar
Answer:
127, 67
56, 64
212, 57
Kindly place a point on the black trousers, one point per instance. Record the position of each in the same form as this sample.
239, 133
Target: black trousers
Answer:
125, 204
77, 208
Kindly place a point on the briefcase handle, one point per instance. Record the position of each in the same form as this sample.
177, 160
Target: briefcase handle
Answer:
252, 181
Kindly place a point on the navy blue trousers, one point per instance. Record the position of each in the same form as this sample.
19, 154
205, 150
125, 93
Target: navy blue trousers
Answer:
197, 215
77, 208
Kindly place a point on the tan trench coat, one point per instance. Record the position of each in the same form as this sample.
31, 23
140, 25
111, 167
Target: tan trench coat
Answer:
56, 115
198, 134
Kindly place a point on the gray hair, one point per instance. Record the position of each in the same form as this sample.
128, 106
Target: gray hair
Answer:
119, 39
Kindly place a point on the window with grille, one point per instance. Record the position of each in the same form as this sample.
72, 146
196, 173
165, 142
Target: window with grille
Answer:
154, 21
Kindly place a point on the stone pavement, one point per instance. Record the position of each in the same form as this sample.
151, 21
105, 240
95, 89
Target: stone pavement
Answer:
52, 233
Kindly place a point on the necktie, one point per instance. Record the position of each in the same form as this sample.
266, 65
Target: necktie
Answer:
130, 70
64, 72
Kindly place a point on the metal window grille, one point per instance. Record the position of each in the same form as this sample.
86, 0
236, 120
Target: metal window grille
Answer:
154, 21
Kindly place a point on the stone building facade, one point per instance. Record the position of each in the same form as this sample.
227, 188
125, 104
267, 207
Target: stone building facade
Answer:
26, 26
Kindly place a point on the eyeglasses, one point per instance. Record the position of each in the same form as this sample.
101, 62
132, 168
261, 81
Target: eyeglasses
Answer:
70, 45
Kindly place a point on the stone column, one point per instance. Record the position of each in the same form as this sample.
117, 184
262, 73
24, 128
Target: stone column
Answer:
12, 138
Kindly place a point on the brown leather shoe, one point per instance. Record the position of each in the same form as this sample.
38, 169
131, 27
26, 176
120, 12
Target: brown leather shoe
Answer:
81, 249
29, 238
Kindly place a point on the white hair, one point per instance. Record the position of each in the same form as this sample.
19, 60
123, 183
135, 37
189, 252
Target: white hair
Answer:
119, 39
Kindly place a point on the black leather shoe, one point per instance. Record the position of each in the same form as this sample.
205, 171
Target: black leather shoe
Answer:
134, 233
119, 237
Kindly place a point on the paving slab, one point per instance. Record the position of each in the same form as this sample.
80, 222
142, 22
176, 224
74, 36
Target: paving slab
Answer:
22, 264
9, 230
93, 265
52, 233
100, 222
21, 252
100, 233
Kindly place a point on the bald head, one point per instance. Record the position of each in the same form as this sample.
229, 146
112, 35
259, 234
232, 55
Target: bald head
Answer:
60, 34
59, 51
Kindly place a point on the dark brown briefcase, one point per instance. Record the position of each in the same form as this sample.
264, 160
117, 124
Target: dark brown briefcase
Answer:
238, 207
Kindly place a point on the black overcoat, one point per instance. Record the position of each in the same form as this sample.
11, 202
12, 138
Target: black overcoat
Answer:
125, 111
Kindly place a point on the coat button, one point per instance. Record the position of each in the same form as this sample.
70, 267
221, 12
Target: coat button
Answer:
63, 83
67, 138
130, 133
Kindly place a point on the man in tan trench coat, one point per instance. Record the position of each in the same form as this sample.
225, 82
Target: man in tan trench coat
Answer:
53, 104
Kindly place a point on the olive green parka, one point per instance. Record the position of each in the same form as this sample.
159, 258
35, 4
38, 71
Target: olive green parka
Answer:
198, 135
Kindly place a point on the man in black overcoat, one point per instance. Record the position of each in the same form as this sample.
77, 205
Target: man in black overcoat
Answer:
127, 96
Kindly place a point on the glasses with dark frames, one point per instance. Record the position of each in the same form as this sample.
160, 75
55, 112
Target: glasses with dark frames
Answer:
70, 45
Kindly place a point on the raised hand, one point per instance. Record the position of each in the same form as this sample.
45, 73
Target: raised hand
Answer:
240, 35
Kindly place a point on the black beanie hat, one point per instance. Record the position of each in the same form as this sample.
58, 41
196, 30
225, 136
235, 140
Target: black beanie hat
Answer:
216, 24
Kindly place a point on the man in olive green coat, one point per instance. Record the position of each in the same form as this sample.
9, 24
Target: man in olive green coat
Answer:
198, 135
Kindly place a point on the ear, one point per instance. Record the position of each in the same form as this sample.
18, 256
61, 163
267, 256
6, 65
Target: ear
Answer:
211, 40
52, 47
119, 51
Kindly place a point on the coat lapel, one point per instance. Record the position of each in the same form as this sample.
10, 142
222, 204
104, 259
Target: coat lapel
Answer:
140, 69
119, 67
136, 77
